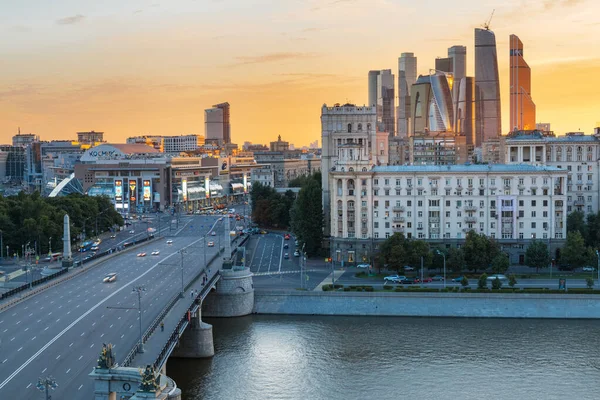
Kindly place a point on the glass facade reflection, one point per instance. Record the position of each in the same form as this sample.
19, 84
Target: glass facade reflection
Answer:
522, 107
487, 87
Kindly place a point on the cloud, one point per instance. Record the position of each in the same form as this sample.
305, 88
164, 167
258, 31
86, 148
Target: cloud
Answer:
548, 4
271, 57
20, 90
74, 19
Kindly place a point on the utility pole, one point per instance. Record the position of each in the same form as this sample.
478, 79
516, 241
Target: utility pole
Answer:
139, 290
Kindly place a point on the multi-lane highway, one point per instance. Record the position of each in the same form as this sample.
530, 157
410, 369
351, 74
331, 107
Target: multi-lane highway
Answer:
60, 331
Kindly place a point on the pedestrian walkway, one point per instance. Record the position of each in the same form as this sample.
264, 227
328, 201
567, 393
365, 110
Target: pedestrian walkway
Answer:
286, 272
328, 281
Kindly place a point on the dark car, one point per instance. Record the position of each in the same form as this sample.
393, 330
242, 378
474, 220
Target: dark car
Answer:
438, 278
407, 281
426, 279
286, 246
459, 279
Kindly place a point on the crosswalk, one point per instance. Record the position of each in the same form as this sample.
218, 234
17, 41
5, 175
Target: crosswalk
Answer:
284, 272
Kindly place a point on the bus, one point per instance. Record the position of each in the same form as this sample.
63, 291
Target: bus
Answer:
53, 257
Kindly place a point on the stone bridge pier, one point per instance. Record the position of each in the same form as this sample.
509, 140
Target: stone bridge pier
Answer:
197, 339
233, 296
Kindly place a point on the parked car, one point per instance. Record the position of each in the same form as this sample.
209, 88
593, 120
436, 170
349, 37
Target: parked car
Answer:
367, 266
393, 278
142, 254
156, 253
213, 233
408, 268
113, 236
426, 279
286, 246
589, 269
296, 253
438, 278
407, 281
459, 279
286, 256
499, 276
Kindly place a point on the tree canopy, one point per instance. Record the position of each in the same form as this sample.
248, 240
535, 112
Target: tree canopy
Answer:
307, 217
479, 251
398, 251
575, 253
269, 208
537, 255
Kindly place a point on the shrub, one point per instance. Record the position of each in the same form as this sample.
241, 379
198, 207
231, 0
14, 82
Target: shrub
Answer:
369, 289
482, 283
346, 289
360, 274
496, 284
512, 280
326, 288
589, 282
387, 287
464, 282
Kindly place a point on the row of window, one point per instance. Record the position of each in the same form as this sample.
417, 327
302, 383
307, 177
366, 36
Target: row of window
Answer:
421, 235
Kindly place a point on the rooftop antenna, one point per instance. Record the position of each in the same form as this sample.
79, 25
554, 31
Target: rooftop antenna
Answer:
486, 24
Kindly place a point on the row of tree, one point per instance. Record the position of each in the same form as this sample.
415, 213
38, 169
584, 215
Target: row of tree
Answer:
302, 214
30, 218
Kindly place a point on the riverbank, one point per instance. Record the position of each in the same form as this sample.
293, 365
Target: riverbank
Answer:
405, 304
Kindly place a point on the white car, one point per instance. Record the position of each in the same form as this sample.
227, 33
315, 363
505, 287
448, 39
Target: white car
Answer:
393, 278
142, 254
110, 277
132, 231
156, 253
213, 233
169, 241
296, 253
211, 244
408, 268
499, 276
589, 269
363, 266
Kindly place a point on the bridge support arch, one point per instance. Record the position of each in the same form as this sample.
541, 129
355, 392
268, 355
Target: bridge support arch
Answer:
196, 341
234, 294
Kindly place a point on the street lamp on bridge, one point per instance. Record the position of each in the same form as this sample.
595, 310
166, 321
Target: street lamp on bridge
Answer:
139, 290
45, 384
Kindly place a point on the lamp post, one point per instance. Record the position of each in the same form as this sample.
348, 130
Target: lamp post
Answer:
49, 245
139, 290
598, 264
45, 384
182, 294
443, 255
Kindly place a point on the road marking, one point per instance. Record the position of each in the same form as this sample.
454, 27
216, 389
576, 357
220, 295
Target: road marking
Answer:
4, 361
39, 320
72, 324
33, 338
80, 357
58, 356
12, 339
4, 331
59, 307
71, 344
130, 326
14, 314
50, 313
69, 370
80, 387
92, 345
122, 336
93, 324
68, 312
111, 325
26, 329
28, 386
30, 314
58, 320
82, 333
44, 370
46, 328
20, 348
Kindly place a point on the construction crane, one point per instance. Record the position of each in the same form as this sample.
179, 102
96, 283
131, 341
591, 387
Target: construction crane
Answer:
486, 24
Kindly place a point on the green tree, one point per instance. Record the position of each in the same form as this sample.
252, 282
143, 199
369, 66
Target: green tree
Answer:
589, 281
496, 284
500, 263
307, 217
592, 237
455, 260
576, 223
392, 252
479, 251
537, 255
415, 249
575, 253
464, 281
512, 280
482, 282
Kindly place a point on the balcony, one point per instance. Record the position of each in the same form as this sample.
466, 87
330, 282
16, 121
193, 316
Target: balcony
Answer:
579, 203
364, 220
398, 219
434, 220
590, 182
507, 220
398, 229
350, 192
398, 209
364, 230
470, 208
350, 208
468, 229
470, 219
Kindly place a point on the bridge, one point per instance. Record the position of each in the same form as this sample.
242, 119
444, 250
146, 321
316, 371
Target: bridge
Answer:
60, 331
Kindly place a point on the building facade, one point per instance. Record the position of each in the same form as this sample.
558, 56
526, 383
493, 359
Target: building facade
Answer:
488, 122
522, 107
217, 125
576, 153
511, 203
183, 143
385, 99
264, 175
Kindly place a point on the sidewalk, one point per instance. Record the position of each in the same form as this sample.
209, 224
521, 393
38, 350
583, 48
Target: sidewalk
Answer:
327, 281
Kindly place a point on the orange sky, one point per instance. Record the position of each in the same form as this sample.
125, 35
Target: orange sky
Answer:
135, 68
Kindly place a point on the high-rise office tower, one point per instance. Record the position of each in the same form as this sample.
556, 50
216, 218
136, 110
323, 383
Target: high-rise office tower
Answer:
465, 109
373, 87
522, 107
488, 123
217, 127
407, 76
381, 89
458, 55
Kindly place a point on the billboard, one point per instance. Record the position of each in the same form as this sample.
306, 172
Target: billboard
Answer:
147, 190
245, 183
132, 191
224, 165
184, 189
207, 186
118, 190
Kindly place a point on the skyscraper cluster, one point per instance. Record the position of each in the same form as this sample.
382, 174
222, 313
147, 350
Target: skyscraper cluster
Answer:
447, 103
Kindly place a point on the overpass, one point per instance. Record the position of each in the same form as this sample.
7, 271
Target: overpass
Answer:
59, 332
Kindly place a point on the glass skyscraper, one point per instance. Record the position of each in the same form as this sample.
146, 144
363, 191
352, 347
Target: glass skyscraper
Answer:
487, 88
522, 107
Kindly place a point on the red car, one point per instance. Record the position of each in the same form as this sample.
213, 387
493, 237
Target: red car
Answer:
286, 236
425, 280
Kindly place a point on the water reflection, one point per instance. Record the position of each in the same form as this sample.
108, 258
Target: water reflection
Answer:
307, 357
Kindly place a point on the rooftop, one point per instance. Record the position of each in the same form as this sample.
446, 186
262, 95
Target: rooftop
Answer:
466, 168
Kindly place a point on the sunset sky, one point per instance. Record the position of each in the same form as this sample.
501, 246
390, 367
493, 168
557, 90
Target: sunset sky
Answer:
149, 67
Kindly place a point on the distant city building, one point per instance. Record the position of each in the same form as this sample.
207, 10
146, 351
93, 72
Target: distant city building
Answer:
183, 143
314, 145
279, 145
488, 123
153, 141
543, 127
399, 153
522, 107
348, 131
385, 98
217, 125
15, 163
407, 76
431, 100
90, 138
264, 174
438, 148
465, 110
288, 165
23, 139
458, 57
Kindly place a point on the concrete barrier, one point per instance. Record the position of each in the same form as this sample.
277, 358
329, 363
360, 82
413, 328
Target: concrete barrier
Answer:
474, 305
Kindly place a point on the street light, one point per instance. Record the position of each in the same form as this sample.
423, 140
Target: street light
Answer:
139, 290
182, 294
45, 384
443, 255
598, 264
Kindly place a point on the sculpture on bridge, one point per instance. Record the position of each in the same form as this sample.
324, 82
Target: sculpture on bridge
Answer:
107, 357
150, 380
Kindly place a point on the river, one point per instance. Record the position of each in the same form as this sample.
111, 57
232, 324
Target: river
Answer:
307, 357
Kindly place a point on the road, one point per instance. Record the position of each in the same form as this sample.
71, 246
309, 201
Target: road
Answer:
60, 332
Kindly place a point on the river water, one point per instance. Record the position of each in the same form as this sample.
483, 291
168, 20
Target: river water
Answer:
307, 357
